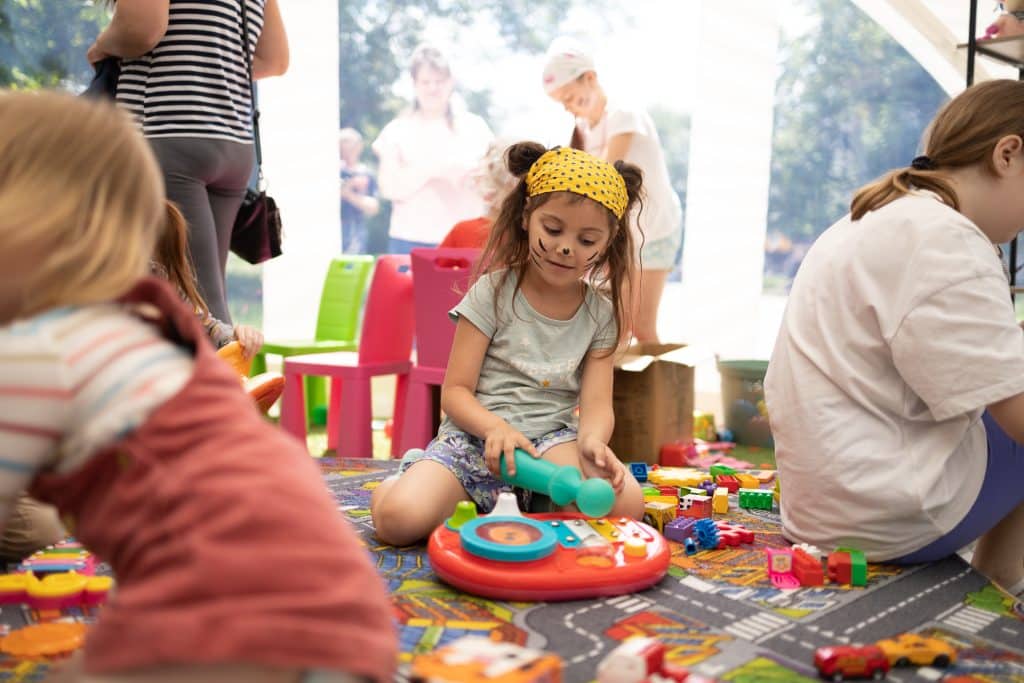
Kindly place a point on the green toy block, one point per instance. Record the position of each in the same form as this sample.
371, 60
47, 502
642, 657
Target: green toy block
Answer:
858, 566
716, 470
755, 499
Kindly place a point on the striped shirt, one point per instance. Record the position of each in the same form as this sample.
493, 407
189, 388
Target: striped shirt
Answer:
194, 83
73, 380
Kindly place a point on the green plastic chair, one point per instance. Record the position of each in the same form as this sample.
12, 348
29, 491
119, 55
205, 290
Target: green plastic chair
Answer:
337, 326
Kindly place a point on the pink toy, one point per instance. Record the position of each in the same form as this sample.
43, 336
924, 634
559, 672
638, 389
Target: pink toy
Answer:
780, 568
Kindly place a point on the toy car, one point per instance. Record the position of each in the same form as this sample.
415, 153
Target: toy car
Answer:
913, 649
475, 659
841, 662
642, 660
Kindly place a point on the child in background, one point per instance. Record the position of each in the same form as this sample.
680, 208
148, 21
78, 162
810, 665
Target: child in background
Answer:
233, 563
171, 262
494, 182
535, 338
612, 130
896, 388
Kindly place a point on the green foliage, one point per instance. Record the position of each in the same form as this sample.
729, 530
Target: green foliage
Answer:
851, 103
43, 42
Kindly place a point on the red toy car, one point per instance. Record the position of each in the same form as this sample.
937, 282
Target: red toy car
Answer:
642, 660
840, 662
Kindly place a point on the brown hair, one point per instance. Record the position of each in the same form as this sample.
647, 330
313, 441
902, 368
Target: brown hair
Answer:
172, 255
963, 133
508, 244
80, 194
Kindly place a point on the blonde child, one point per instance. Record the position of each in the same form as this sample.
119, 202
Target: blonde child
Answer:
535, 338
171, 261
232, 561
896, 388
615, 129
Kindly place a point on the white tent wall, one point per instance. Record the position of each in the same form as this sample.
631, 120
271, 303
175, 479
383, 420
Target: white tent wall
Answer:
300, 160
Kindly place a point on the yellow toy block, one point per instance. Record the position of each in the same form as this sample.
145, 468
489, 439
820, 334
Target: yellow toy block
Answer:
747, 481
677, 476
659, 514
720, 500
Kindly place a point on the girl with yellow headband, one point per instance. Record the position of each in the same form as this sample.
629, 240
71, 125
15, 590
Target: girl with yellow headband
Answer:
534, 340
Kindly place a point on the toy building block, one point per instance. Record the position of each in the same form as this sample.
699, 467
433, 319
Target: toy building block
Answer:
563, 484
807, 569
839, 567
707, 487
755, 499
669, 491
679, 529
732, 534
720, 500
729, 481
676, 454
658, 514
812, 550
747, 481
677, 476
707, 534
690, 546
858, 566
716, 470
639, 471
697, 507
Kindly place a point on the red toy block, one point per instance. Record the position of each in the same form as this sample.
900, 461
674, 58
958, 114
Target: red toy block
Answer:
676, 454
732, 534
669, 491
840, 568
728, 481
807, 569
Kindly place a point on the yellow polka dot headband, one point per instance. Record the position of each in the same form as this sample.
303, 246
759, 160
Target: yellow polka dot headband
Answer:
564, 169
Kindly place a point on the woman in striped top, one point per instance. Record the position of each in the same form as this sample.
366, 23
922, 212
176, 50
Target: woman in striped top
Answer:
184, 79
233, 563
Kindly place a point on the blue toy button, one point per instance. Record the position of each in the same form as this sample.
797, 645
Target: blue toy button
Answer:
508, 539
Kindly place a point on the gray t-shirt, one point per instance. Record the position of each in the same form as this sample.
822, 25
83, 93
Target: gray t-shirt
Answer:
531, 372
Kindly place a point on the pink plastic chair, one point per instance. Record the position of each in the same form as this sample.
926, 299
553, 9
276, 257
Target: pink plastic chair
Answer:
440, 280
385, 344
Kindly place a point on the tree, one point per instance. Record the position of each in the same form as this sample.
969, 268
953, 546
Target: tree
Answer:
850, 104
43, 42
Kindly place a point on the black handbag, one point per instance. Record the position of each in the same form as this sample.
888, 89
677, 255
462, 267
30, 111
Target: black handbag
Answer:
104, 81
256, 234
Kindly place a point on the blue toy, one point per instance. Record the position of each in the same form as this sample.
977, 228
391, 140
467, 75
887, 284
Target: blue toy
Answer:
639, 471
707, 533
690, 546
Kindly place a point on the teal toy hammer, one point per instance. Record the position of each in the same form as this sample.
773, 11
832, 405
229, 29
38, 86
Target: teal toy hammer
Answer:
562, 483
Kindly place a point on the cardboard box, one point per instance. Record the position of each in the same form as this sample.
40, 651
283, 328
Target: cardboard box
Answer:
653, 400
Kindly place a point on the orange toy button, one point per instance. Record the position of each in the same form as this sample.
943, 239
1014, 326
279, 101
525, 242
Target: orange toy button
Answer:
44, 640
635, 547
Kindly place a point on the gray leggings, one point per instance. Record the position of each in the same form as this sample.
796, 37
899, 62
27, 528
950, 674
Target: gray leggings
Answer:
207, 178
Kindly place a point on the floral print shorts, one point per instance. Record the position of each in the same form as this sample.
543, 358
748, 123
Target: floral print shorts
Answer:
463, 455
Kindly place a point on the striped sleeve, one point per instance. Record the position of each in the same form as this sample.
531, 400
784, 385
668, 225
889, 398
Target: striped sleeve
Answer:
35, 403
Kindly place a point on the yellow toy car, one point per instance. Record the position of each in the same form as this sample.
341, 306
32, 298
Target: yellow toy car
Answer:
912, 649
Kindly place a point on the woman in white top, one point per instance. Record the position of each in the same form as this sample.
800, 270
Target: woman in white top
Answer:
616, 131
896, 388
426, 157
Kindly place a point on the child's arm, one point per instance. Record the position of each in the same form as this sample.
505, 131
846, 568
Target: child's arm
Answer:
597, 418
459, 402
617, 147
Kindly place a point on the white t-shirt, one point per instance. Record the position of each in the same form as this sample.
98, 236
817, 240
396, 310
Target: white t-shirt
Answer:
899, 331
424, 171
662, 214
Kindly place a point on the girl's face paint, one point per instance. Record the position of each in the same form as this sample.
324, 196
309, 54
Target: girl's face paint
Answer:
567, 237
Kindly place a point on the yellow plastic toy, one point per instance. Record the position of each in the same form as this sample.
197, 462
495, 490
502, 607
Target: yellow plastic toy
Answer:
44, 640
677, 476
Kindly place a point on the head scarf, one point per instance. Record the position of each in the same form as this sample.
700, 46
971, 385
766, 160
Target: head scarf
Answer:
564, 169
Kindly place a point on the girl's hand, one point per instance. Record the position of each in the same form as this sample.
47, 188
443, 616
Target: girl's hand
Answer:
503, 440
598, 460
250, 339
